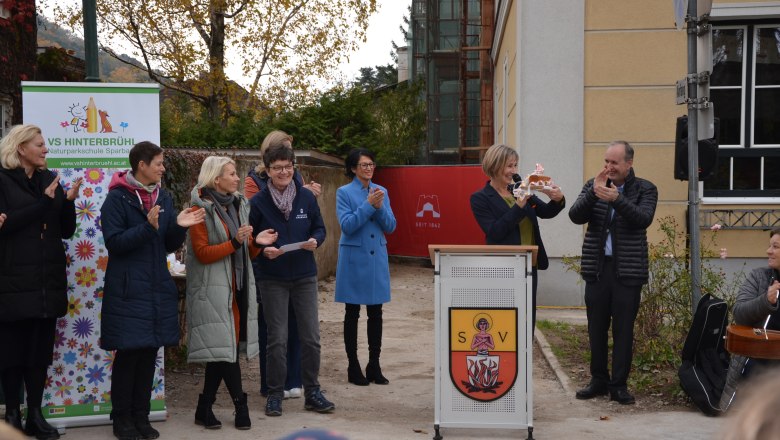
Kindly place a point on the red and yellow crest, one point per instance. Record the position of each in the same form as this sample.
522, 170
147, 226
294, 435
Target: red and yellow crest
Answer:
483, 351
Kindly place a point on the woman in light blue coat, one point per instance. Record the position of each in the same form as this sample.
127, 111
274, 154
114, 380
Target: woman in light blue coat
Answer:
362, 274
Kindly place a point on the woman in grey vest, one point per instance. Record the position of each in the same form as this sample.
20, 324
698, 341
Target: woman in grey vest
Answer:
221, 298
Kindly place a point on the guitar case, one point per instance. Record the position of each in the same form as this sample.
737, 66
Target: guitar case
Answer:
705, 361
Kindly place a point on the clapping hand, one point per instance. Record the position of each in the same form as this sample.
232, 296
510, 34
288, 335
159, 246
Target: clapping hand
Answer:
375, 197
154, 216
190, 216
771, 292
52, 188
244, 232
267, 237
314, 187
607, 193
601, 178
73, 192
310, 245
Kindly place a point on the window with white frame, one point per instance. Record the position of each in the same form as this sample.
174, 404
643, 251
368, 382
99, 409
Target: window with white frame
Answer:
5, 118
745, 90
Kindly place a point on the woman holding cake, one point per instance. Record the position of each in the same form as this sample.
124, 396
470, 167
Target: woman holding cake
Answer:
508, 215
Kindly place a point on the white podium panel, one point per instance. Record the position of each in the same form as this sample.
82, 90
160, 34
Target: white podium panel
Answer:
483, 340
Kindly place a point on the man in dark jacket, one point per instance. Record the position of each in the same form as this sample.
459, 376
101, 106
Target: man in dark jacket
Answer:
618, 208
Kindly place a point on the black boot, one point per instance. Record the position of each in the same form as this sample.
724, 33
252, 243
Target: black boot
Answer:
38, 427
243, 422
142, 425
354, 372
373, 370
13, 417
124, 428
204, 415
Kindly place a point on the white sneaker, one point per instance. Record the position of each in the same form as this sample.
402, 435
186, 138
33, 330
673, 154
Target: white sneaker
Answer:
294, 393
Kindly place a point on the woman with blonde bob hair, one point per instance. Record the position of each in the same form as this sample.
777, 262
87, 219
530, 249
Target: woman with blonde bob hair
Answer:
36, 215
221, 296
509, 220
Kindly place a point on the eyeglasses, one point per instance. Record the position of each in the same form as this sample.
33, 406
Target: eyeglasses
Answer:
280, 168
367, 165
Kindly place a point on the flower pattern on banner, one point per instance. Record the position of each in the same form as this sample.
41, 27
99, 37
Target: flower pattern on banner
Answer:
81, 372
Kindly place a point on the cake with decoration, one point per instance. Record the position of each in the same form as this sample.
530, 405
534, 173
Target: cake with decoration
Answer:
537, 180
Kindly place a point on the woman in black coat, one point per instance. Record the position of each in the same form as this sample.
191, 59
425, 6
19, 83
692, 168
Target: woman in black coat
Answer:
507, 220
39, 214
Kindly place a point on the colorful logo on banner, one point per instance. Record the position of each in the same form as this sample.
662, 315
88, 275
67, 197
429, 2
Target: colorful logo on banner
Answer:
483, 351
89, 138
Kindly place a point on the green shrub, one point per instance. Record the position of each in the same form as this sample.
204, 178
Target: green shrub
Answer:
665, 312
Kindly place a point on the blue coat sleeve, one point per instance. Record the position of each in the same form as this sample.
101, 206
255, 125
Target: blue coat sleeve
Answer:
120, 237
351, 219
385, 217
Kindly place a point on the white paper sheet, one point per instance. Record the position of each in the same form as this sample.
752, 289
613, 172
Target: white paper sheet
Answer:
293, 246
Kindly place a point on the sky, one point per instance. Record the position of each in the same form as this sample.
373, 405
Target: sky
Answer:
382, 29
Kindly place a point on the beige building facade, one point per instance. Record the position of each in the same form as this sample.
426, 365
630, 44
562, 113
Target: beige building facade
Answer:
572, 75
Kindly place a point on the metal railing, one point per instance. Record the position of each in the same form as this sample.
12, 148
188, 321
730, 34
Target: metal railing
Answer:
757, 219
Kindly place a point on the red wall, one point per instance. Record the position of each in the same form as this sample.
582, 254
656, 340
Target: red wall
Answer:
431, 206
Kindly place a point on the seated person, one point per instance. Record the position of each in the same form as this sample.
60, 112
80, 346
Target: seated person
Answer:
756, 306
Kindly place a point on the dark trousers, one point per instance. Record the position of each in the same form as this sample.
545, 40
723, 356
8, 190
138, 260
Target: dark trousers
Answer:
373, 330
277, 297
293, 379
610, 300
216, 372
131, 381
34, 379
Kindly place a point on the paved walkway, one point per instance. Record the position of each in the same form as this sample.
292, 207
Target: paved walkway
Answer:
557, 415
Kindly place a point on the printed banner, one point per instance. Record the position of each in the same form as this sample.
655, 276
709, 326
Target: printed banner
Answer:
483, 351
92, 125
89, 129
431, 206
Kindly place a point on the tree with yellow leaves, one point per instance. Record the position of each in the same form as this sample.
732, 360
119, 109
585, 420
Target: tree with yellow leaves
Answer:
281, 46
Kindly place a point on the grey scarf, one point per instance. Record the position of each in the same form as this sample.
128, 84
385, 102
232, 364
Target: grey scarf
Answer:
283, 200
133, 181
227, 212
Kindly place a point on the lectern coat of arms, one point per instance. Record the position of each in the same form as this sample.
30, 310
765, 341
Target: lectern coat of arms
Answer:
483, 351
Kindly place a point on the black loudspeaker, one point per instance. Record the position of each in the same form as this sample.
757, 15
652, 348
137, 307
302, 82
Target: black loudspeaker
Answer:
708, 152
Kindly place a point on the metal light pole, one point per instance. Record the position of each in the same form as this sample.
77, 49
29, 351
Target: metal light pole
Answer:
693, 155
700, 123
90, 40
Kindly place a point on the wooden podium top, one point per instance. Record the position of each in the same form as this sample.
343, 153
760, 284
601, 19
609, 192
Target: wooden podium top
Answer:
481, 249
